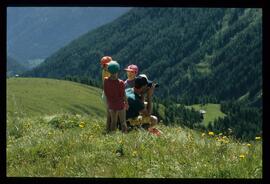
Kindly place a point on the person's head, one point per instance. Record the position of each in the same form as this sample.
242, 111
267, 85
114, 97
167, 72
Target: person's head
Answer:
113, 68
132, 71
142, 83
105, 61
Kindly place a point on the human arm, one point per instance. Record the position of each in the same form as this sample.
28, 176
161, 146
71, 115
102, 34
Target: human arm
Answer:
149, 107
106, 89
124, 95
148, 110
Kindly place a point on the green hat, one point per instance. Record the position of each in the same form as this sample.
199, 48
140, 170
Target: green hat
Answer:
113, 67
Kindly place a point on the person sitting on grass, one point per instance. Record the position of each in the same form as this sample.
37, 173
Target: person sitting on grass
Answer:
132, 71
137, 114
114, 90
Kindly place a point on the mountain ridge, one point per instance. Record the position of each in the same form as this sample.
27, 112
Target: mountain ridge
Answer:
36, 32
189, 51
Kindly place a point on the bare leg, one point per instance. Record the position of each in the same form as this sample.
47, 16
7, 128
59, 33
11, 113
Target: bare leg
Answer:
122, 118
114, 115
108, 121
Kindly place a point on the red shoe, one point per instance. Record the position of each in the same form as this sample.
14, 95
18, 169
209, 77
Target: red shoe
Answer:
154, 131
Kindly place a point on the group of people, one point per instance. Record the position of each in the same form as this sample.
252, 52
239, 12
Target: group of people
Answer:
128, 102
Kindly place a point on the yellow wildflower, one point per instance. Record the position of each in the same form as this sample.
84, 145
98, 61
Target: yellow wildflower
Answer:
220, 134
211, 133
257, 138
28, 125
242, 156
82, 125
134, 154
203, 134
225, 141
248, 145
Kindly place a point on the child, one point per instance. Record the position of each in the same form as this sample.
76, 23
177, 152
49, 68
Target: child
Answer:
114, 90
132, 71
104, 65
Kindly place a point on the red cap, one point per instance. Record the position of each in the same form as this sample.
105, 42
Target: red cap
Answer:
105, 60
132, 68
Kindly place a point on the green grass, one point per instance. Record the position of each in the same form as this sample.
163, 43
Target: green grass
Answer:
37, 96
212, 112
44, 141
56, 146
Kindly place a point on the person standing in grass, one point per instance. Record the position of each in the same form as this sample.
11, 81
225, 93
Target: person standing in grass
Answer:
132, 71
104, 65
114, 90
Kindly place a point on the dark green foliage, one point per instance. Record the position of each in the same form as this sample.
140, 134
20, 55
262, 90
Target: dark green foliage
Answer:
245, 122
196, 54
83, 79
178, 114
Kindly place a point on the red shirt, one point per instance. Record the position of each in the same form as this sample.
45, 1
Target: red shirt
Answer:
115, 92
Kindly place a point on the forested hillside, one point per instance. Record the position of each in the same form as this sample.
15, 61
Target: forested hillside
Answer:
208, 62
34, 33
198, 55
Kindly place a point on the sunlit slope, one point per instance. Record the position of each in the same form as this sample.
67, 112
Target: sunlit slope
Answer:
37, 96
212, 112
64, 145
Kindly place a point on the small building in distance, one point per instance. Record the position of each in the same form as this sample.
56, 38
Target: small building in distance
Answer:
202, 112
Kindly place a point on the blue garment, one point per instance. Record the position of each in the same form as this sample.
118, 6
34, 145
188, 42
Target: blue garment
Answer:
135, 103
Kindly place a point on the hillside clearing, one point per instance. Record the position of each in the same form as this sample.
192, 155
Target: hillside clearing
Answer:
38, 96
212, 112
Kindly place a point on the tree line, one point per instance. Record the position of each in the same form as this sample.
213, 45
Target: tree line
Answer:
241, 121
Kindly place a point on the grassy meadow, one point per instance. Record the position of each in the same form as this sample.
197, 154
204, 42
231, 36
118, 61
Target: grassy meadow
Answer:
72, 142
29, 97
212, 112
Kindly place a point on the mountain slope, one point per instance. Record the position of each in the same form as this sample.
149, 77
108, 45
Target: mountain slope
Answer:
14, 67
196, 54
33, 97
36, 32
